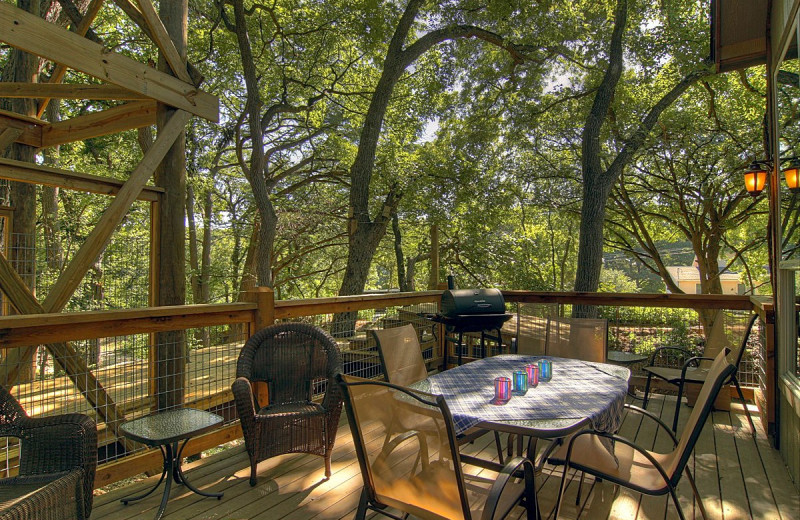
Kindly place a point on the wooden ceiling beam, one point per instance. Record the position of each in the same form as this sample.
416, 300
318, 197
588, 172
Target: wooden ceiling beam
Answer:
9, 89
21, 171
135, 114
32, 34
163, 40
81, 30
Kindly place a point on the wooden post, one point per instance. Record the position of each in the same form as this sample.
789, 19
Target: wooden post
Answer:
264, 298
171, 347
264, 316
433, 279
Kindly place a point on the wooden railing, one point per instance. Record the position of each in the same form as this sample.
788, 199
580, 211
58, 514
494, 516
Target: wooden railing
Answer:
261, 309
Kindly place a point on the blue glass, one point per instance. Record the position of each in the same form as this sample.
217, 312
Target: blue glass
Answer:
520, 382
545, 370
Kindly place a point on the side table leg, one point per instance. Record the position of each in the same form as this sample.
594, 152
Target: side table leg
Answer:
181, 478
169, 468
163, 474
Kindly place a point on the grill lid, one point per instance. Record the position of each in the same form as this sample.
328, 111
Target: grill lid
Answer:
461, 302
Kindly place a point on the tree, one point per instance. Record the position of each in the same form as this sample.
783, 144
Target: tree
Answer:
599, 170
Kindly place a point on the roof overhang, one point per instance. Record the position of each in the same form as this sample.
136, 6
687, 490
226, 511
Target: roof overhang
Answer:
739, 33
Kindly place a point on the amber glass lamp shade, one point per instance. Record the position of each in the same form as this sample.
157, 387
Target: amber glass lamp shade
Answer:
754, 180
792, 176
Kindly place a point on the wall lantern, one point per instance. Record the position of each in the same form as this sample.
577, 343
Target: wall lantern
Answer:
792, 175
755, 178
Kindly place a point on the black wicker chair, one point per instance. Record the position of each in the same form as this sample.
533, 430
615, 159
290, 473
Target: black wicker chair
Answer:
57, 464
296, 361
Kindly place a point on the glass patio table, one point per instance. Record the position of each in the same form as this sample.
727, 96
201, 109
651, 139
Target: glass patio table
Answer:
580, 393
166, 430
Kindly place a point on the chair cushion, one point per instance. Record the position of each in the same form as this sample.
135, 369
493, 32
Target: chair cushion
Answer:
304, 409
630, 467
673, 375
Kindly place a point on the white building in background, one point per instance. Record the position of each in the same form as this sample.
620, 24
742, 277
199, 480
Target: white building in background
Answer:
688, 279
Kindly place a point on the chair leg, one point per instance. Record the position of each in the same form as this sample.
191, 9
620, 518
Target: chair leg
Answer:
361, 512
328, 464
744, 403
253, 475
647, 390
677, 407
580, 490
696, 493
499, 446
561, 492
677, 504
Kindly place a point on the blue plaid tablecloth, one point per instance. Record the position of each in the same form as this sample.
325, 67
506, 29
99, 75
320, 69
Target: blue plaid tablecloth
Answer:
578, 390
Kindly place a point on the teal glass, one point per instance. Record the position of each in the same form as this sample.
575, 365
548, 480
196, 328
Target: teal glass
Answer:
520, 378
545, 370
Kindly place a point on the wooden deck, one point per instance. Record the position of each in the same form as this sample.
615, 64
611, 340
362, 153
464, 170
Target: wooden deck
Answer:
737, 477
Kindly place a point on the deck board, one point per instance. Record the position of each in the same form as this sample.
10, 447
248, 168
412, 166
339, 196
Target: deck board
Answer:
292, 487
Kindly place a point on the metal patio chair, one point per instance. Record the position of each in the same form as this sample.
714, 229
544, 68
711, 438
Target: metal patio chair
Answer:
418, 470
693, 371
630, 465
402, 363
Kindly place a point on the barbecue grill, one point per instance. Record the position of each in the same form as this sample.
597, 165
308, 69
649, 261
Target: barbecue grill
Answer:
471, 310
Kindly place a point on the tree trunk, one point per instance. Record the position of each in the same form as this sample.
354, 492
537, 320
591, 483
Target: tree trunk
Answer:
22, 67
402, 280
51, 223
599, 179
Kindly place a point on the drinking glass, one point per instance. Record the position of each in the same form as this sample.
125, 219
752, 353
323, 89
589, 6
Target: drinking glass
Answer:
533, 374
502, 389
545, 370
520, 382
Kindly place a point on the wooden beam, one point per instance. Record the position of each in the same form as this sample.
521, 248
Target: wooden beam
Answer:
11, 89
21, 171
97, 240
161, 38
73, 364
136, 17
80, 30
26, 330
128, 116
8, 136
35, 35
31, 127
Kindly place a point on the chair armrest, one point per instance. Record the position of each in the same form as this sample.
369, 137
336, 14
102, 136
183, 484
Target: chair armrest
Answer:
655, 418
245, 403
58, 443
58, 496
659, 350
509, 471
615, 438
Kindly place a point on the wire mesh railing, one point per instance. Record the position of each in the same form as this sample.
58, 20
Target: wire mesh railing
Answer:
137, 369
